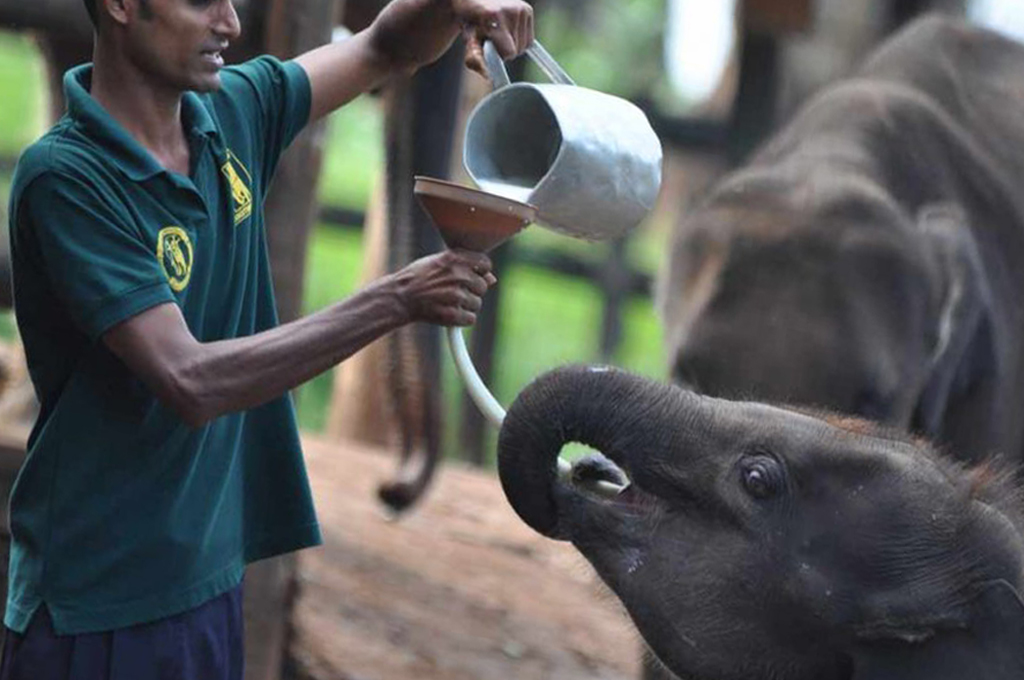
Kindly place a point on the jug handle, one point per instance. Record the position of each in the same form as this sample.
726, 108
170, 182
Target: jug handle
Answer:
536, 52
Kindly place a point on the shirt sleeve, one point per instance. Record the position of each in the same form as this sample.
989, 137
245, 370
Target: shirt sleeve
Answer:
94, 258
278, 94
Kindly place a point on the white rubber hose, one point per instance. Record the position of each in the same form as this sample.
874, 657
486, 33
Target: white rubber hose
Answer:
482, 397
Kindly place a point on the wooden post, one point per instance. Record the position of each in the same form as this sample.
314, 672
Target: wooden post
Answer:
614, 281
753, 113
358, 407
291, 27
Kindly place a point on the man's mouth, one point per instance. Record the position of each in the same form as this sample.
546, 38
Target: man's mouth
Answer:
214, 56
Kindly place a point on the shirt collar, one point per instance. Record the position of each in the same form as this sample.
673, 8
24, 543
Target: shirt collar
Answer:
122, 149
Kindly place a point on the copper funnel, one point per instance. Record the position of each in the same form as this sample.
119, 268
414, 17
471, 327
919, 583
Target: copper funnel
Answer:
468, 218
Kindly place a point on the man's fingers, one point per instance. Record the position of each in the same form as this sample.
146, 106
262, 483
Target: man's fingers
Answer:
528, 34
503, 41
523, 32
462, 317
476, 285
473, 303
475, 53
490, 279
479, 263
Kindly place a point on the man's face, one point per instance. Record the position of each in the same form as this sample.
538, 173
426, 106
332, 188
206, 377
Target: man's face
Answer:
181, 42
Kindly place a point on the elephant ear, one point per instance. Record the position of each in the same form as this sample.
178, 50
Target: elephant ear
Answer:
991, 647
963, 339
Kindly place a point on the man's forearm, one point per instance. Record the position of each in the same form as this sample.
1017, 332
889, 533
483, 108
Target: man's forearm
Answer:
233, 375
408, 34
201, 381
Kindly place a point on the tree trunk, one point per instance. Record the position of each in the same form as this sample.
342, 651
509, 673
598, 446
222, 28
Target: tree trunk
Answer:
291, 27
359, 399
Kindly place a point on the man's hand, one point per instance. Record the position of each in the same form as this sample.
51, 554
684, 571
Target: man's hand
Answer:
446, 288
506, 23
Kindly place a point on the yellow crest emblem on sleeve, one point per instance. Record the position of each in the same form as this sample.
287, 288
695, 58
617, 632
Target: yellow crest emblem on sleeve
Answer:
240, 181
174, 252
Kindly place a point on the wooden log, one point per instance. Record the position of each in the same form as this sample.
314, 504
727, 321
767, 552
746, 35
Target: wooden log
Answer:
359, 408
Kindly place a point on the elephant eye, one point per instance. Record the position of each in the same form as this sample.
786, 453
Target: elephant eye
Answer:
762, 476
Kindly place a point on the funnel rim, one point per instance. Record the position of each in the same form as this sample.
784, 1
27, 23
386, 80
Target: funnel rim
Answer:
468, 218
431, 186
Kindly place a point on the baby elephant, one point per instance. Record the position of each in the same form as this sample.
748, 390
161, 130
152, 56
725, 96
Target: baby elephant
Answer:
761, 543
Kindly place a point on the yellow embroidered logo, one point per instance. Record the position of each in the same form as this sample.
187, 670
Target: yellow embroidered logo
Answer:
174, 252
239, 182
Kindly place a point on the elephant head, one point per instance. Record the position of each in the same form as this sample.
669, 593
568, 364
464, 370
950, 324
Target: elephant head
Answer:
759, 542
850, 306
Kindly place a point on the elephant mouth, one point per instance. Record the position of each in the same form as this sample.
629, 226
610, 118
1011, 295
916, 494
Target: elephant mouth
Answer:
601, 480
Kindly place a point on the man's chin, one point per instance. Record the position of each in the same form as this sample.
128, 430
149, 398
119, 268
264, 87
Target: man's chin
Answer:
209, 83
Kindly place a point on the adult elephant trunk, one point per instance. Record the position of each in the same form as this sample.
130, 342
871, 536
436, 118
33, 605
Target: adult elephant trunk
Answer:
625, 417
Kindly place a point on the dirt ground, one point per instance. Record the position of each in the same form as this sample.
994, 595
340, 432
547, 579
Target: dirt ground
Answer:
458, 589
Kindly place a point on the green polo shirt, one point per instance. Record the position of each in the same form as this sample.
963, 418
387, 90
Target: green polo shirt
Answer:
121, 513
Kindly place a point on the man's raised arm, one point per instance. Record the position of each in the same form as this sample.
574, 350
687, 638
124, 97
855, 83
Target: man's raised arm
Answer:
409, 34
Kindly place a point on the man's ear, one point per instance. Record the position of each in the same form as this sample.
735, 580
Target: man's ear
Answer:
117, 10
991, 647
963, 344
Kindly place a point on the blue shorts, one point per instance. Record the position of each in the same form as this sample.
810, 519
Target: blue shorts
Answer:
201, 644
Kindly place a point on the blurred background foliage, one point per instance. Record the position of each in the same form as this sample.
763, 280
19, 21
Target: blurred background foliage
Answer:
609, 45
546, 319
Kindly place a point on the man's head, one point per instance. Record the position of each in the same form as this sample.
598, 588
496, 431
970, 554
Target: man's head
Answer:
179, 43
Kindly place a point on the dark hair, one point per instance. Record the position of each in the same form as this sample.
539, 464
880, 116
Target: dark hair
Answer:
90, 6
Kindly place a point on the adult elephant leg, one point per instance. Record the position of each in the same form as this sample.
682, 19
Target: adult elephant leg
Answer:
421, 114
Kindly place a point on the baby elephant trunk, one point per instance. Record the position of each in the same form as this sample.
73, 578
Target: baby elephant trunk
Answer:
625, 417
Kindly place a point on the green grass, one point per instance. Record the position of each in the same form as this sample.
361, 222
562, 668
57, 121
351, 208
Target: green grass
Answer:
546, 319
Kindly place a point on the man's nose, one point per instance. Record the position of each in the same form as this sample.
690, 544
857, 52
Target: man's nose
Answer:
227, 24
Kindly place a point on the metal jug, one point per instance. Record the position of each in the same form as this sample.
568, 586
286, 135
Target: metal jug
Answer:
588, 161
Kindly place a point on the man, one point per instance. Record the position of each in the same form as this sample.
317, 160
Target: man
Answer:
166, 455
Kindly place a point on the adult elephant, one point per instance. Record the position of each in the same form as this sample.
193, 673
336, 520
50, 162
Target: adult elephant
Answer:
866, 260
